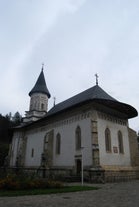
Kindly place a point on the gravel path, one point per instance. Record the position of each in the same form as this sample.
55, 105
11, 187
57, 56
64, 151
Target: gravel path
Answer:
110, 195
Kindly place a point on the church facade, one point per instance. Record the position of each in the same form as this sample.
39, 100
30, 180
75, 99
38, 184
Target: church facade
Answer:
88, 130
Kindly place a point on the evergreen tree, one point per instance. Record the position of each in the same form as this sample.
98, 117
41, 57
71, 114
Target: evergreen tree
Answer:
17, 118
6, 124
5, 136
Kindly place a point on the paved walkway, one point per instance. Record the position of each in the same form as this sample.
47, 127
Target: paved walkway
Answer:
110, 195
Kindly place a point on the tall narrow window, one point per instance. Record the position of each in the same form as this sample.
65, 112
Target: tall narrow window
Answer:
78, 138
46, 139
120, 142
108, 140
42, 106
58, 143
32, 152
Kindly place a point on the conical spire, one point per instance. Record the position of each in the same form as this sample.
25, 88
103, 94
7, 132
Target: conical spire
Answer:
40, 86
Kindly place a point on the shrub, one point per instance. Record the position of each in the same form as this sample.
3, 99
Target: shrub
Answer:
14, 182
54, 184
9, 183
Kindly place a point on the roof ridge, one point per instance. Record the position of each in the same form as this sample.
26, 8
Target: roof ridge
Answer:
95, 92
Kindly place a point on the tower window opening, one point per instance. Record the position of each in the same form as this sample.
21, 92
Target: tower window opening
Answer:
42, 106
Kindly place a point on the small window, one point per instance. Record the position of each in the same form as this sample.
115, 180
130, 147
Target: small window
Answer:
42, 106
46, 139
120, 142
58, 143
32, 152
78, 138
108, 140
35, 104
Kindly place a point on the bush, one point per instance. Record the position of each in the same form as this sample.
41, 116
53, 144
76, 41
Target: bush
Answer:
54, 184
9, 183
14, 182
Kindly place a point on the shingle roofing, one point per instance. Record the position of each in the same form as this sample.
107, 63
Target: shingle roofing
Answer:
94, 94
40, 86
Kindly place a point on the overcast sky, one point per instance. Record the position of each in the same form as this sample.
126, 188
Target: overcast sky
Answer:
74, 39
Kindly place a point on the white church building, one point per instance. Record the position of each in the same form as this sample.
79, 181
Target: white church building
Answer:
90, 128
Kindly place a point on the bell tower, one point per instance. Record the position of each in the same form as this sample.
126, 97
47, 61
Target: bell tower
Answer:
39, 96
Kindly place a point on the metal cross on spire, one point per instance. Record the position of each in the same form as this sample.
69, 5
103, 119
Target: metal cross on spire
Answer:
54, 100
96, 78
42, 66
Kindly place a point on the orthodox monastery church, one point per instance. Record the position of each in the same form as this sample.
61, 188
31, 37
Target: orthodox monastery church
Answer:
88, 132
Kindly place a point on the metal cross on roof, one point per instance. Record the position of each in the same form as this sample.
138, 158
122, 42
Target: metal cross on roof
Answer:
54, 100
96, 78
42, 66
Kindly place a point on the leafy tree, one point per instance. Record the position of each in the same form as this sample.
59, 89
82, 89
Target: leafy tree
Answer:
4, 148
6, 124
5, 136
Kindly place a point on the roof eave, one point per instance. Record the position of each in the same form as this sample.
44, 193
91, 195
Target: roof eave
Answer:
126, 109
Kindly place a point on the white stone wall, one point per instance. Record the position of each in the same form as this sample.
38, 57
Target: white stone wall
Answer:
68, 154
15, 146
35, 142
68, 151
113, 158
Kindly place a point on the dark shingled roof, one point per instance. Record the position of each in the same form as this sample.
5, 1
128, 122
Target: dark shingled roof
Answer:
95, 94
40, 86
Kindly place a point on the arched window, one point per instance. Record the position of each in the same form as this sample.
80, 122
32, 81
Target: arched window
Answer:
58, 143
78, 138
108, 140
35, 105
46, 139
42, 106
32, 152
120, 142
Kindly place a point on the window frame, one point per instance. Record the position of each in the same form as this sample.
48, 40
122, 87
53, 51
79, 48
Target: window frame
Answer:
78, 138
120, 142
58, 144
32, 152
108, 140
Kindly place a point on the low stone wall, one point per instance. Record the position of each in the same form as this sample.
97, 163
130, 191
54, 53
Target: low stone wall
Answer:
113, 176
118, 174
93, 175
55, 173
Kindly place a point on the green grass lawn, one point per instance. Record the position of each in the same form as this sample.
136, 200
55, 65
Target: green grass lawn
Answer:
46, 191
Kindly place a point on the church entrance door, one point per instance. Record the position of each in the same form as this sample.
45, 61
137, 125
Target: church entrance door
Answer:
78, 167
